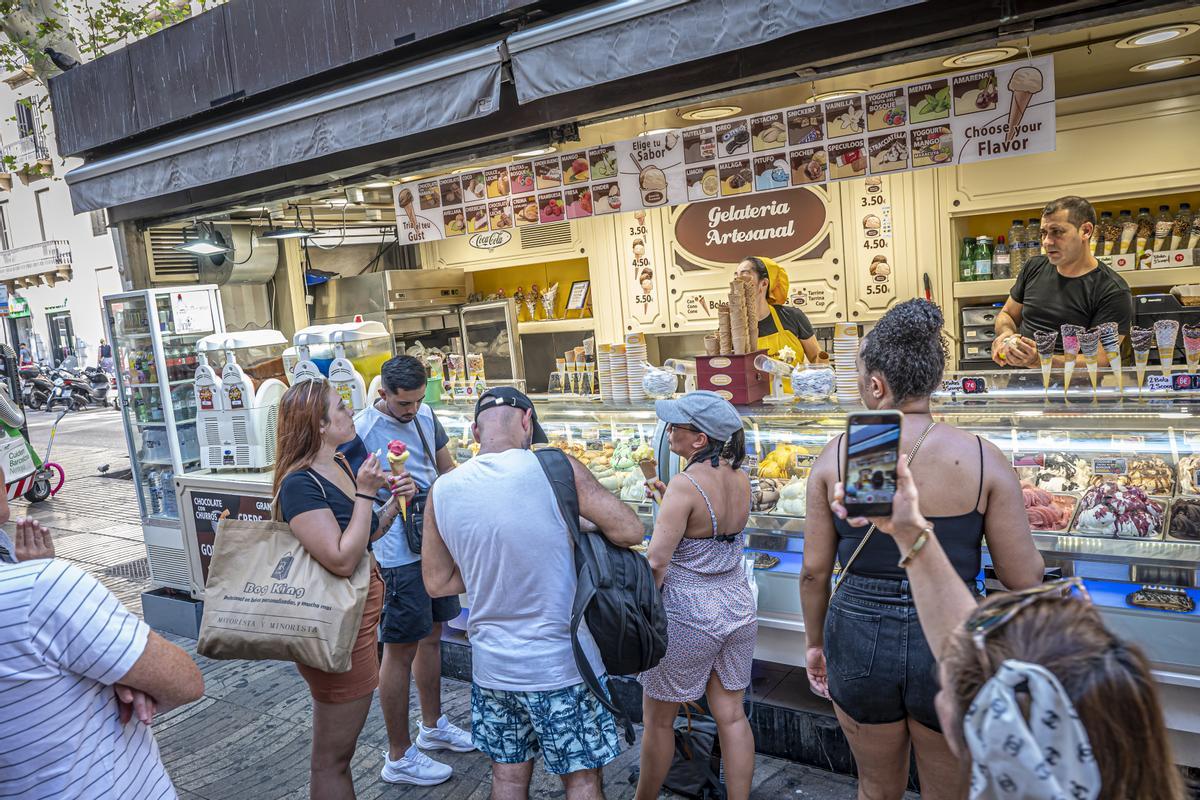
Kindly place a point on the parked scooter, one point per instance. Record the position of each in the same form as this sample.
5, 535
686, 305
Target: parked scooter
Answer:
103, 386
36, 385
71, 389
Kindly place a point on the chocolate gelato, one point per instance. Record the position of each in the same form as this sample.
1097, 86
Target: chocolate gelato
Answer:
1185, 519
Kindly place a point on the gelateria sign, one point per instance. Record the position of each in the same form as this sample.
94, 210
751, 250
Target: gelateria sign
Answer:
786, 223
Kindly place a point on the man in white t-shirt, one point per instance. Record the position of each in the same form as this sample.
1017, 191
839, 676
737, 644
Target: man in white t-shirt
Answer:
493, 529
80, 681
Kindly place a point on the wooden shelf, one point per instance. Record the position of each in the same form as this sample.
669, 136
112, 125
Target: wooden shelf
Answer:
1137, 279
557, 326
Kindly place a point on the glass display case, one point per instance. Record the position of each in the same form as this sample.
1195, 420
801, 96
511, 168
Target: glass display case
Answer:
154, 334
1111, 483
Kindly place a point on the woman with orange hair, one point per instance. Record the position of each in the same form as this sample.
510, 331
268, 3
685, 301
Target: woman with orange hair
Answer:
779, 325
332, 513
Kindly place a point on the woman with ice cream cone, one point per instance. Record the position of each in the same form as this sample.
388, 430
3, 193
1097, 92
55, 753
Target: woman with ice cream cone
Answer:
696, 553
779, 325
1067, 286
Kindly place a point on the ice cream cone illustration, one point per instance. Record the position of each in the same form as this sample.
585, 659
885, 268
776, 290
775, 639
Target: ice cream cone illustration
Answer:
1089, 346
1165, 332
1024, 84
405, 200
1191, 346
1045, 346
1110, 340
397, 454
1141, 339
1070, 337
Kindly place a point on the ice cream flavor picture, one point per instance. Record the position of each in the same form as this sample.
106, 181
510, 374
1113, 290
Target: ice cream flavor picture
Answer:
768, 132
1024, 84
847, 159
844, 117
770, 172
887, 109
932, 146
809, 165
975, 92
520, 178
733, 137
497, 182
477, 218
888, 152
928, 101
735, 177
575, 168
699, 145
805, 125
428, 195
451, 189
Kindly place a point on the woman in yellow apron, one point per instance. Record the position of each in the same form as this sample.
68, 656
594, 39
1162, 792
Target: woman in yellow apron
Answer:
779, 325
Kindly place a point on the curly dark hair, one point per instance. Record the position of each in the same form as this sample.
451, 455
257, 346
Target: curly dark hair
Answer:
908, 349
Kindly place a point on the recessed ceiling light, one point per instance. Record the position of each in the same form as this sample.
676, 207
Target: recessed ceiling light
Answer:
976, 58
383, 184
836, 94
1165, 63
1157, 35
656, 131
537, 151
710, 112
408, 178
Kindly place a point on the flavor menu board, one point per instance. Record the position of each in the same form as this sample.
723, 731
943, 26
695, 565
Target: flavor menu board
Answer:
996, 112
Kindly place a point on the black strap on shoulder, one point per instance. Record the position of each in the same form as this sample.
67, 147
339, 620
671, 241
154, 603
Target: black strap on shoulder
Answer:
425, 445
561, 475
979, 496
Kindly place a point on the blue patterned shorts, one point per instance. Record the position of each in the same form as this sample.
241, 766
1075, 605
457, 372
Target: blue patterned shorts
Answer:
570, 726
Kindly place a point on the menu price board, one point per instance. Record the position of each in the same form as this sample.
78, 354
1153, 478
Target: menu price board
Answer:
996, 112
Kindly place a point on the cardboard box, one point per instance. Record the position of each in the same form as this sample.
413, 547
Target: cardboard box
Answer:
733, 377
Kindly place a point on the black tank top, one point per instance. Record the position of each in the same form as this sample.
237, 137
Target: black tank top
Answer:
961, 538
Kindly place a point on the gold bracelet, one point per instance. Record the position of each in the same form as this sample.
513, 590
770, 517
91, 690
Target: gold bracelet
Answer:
926, 532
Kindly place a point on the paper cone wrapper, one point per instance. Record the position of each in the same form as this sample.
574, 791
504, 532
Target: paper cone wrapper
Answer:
751, 294
1141, 358
1166, 356
1068, 373
1047, 365
1093, 368
1114, 363
1016, 112
649, 468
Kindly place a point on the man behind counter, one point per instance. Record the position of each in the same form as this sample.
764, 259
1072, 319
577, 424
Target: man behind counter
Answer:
1065, 286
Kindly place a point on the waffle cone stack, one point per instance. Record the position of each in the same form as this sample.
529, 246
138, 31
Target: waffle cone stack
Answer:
724, 330
712, 345
751, 291
737, 318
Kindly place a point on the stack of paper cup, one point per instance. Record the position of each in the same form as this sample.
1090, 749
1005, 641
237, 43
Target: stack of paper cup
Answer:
845, 356
1166, 331
1191, 346
620, 376
635, 366
712, 345
604, 372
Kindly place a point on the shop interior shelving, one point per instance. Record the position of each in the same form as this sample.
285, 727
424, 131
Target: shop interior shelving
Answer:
1137, 279
585, 324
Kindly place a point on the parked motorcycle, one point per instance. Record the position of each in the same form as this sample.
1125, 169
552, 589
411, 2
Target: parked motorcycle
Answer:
103, 385
71, 389
36, 385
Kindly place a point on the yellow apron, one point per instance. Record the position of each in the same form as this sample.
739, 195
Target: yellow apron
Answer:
780, 339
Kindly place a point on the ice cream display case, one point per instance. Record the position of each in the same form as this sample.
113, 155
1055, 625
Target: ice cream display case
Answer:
1112, 492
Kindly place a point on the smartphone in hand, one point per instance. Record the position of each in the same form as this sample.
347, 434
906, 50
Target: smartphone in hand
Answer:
872, 453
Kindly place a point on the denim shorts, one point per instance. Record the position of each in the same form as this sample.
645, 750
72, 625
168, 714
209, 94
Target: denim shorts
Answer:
570, 726
408, 610
880, 667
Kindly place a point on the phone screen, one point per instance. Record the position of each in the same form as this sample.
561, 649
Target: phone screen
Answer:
872, 451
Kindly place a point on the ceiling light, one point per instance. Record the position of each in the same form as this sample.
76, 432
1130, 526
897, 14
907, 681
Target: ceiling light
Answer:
298, 231
656, 132
408, 178
975, 58
1157, 35
384, 184
208, 241
538, 151
837, 94
1164, 63
710, 112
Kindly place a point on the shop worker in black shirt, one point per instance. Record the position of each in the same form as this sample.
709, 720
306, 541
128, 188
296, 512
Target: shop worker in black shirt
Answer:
1065, 286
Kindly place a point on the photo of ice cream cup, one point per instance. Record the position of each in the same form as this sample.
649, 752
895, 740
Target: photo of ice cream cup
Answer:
653, 183
1024, 84
871, 225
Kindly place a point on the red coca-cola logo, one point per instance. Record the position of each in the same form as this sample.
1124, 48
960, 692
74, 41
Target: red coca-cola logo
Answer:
780, 224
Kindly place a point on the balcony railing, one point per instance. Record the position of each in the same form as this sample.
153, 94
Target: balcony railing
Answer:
26, 150
35, 259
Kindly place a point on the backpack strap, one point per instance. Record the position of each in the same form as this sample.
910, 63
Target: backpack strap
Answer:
561, 475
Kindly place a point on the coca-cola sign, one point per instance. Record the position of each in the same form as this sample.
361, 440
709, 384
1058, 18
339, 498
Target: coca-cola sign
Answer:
776, 224
490, 240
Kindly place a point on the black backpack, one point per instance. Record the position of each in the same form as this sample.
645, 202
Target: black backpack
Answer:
616, 594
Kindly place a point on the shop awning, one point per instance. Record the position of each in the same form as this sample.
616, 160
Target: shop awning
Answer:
626, 38
407, 101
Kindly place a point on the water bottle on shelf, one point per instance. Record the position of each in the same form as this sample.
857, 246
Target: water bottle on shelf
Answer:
1016, 247
966, 260
1033, 239
983, 258
1001, 260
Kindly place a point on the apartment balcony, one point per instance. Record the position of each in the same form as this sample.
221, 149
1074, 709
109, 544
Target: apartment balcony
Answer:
36, 264
28, 157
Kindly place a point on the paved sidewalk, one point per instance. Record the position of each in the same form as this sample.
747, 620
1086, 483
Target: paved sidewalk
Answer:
249, 736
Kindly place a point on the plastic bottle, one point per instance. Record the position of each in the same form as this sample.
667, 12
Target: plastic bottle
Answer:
1162, 230
1098, 237
1001, 260
966, 260
1033, 239
1016, 247
1183, 223
983, 258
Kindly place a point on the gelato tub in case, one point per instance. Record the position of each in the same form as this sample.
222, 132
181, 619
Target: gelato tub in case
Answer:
1126, 512
1184, 522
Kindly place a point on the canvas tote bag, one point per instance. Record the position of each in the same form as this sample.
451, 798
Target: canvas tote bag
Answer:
267, 598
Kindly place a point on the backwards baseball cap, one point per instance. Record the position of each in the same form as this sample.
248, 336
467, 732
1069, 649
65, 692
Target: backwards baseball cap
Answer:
705, 411
510, 397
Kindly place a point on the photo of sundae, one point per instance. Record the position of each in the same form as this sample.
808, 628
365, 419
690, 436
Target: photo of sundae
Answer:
1024, 84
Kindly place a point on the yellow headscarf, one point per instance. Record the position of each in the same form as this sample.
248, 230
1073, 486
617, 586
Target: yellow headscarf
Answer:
777, 289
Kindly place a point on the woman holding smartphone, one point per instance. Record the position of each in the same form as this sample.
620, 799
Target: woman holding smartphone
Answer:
865, 647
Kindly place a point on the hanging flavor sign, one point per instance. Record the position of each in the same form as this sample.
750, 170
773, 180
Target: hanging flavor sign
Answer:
650, 171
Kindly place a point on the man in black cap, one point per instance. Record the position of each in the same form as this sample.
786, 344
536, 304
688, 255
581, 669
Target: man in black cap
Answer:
493, 529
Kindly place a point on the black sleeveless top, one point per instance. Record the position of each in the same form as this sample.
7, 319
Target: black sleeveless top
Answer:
961, 538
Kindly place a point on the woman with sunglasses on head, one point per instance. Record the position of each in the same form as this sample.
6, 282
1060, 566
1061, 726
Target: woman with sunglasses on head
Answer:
1038, 699
865, 649
779, 325
331, 512
696, 554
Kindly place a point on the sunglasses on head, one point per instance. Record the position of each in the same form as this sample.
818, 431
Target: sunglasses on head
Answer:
1006, 607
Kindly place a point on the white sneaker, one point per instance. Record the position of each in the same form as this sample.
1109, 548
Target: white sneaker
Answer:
446, 736
415, 768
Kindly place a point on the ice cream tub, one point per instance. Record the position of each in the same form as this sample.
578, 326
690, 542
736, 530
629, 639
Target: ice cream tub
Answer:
1183, 519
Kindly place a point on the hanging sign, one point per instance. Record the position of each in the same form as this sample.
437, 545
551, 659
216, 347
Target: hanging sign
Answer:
997, 112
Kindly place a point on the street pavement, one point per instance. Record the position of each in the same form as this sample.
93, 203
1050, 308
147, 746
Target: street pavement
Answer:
249, 736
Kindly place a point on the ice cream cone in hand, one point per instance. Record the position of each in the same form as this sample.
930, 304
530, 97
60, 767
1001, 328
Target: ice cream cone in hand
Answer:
398, 454
650, 473
1024, 84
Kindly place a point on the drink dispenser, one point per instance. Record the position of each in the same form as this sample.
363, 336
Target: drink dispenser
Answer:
238, 432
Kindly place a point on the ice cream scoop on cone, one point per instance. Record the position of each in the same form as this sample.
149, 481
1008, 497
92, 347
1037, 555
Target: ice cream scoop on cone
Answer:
396, 456
1024, 84
650, 473
1191, 346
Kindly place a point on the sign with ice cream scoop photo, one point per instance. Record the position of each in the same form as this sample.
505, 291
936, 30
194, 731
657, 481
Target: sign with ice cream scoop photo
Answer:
650, 171
420, 214
1005, 110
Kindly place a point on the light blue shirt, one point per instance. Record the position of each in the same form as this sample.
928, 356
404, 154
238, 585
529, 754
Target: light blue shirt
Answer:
377, 430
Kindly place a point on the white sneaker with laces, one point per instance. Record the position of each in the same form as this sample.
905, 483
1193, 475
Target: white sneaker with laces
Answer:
415, 768
446, 736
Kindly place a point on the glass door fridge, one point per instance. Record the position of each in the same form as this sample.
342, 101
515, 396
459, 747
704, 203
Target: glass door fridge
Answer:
489, 329
154, 334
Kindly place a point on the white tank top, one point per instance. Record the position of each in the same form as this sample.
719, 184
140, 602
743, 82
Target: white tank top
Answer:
501, 522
